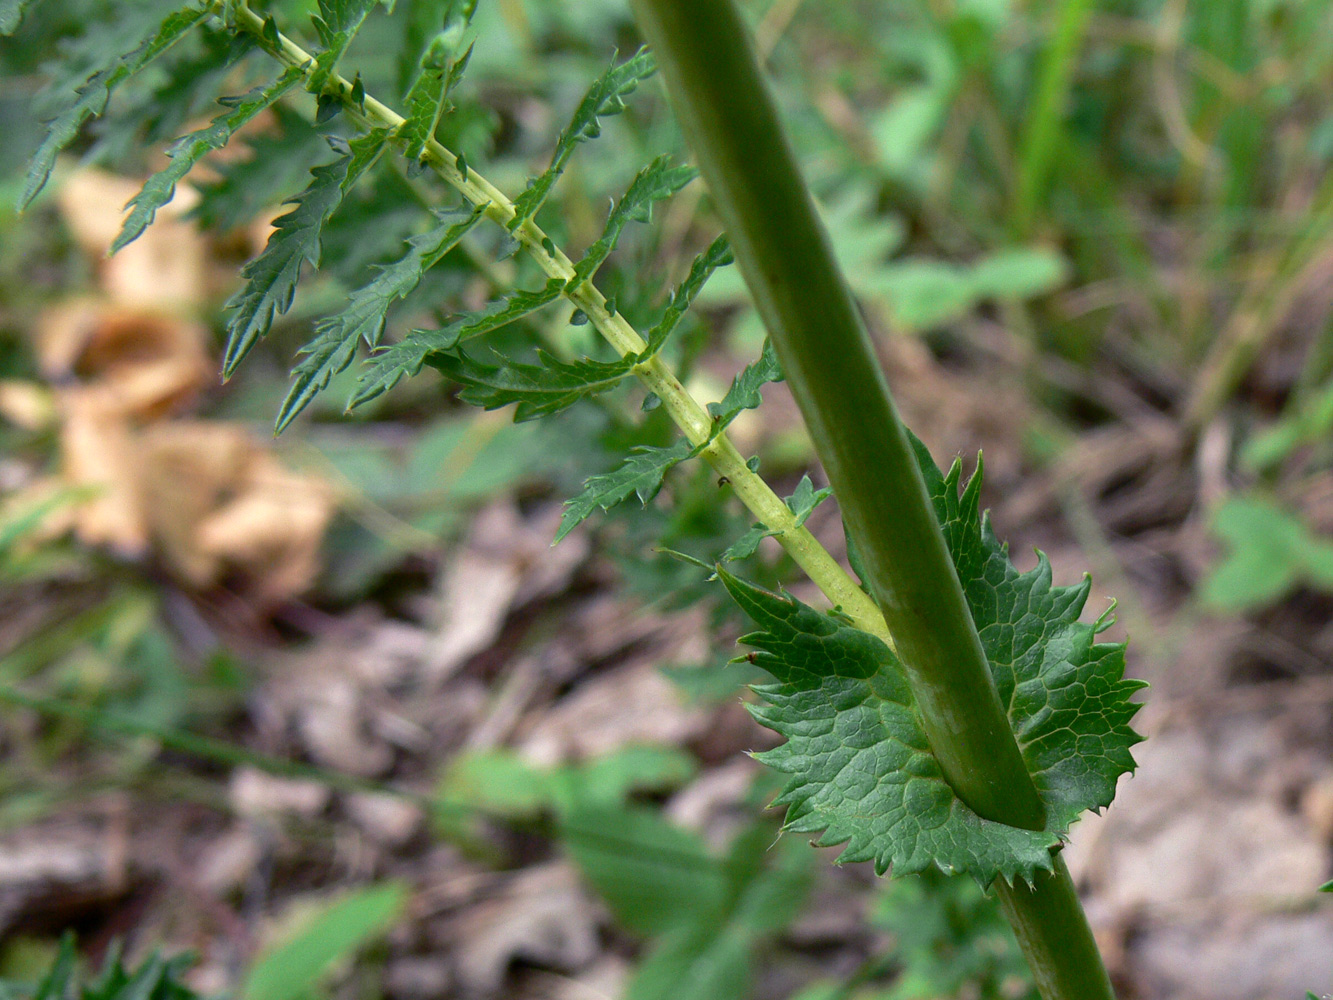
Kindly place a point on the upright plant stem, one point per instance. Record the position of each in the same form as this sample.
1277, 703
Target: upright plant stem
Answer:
783, 250
830, 364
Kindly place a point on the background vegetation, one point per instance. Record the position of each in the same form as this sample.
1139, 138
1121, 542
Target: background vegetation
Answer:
286, 702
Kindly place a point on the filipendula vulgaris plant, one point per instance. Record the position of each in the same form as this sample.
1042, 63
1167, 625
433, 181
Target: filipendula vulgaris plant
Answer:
947, 710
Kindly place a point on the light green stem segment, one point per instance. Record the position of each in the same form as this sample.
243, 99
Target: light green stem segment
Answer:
688, 414
1053, 932
783, 250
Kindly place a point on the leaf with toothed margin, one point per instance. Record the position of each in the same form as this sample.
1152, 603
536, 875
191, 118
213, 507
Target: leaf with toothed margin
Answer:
604, 98
539, 390
641, 473
270, 279
717, 255
336, 337
159, 189
404, 359
91, 95
336, 24
860, 768
655, 182
744, 393
429, 97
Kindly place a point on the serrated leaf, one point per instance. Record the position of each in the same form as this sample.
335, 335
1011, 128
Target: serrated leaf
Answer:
92, 94
538, 390
404, 359
270, 279
603, 99
429, 96
748, 544
159, 189
641, 473
336, 337
861, 767
336, 24
717, 255
803, 502
744, 393
655, 182
11, 14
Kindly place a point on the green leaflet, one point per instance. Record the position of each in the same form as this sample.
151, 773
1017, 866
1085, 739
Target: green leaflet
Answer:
155, 978
802, 504
337, 23
603, 99
405, 358
861, 769
717, 255
744, 393
188, 150
655, 182
270, 279
336, 337
11, 14
92, 94
429, 96
539, 390
642, 472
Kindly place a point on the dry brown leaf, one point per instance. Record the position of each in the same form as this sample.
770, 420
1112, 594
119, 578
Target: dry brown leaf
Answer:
145, 364
27, 404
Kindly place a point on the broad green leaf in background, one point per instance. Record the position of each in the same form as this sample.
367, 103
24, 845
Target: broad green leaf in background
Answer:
341, 928
654, 875
1270, 553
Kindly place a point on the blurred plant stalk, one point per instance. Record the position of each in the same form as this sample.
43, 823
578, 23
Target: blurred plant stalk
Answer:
731, 122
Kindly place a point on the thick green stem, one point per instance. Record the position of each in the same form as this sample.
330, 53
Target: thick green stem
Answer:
783, 250
784, 253
1053, 932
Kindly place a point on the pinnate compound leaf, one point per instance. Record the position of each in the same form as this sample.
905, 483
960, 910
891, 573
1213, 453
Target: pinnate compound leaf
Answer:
717, 255
655, 182
11, 14
641, 473
429, 97
270, 279
190, 149
91, 95
861, 768
744, 393
539, 390
404, 359
336, 337
337, 23
603, 99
